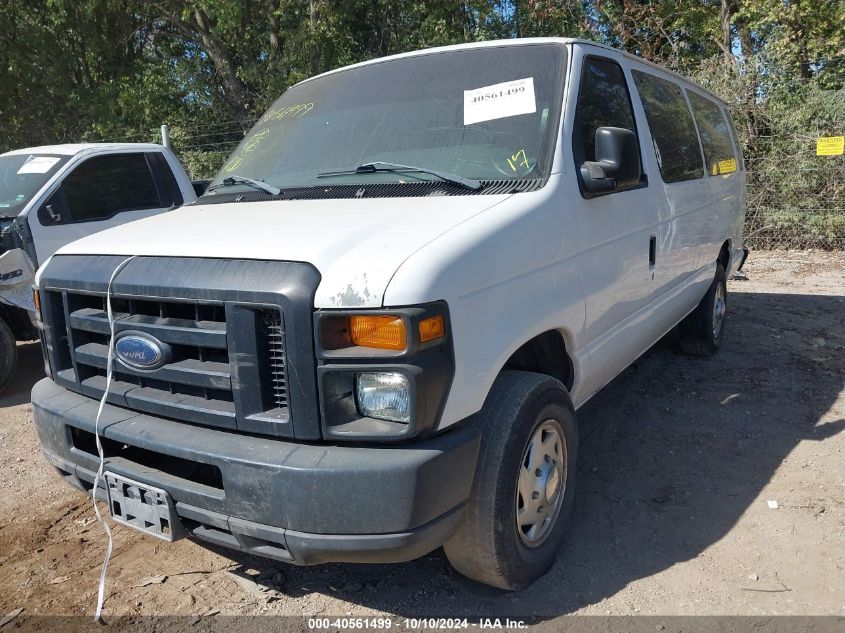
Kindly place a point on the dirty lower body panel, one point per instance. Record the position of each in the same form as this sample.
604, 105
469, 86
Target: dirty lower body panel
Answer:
301, 503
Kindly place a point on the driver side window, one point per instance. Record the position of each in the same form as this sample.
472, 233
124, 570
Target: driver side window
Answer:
603, 101
102, 187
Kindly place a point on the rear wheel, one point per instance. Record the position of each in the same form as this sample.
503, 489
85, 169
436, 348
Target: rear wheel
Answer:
524, 484
8, 352
701, 332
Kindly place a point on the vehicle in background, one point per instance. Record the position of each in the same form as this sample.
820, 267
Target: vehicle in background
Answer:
53, 195
396, 293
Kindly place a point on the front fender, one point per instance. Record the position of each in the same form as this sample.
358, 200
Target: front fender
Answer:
17, 275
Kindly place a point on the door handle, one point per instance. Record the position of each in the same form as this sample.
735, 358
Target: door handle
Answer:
652, 250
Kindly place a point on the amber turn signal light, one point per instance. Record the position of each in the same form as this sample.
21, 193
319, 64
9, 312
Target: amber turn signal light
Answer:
382, 332
432, 328
36, 299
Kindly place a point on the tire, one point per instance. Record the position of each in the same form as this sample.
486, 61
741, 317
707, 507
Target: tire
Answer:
701, 332
489, 546
8, 352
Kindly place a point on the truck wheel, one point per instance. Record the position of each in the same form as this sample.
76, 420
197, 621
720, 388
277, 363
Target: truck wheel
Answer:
524, 484
8, 352
701, 332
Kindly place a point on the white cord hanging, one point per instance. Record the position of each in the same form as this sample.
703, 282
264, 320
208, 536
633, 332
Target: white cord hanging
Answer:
102, 588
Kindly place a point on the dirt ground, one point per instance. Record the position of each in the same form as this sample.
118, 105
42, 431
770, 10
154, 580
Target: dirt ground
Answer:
681, 461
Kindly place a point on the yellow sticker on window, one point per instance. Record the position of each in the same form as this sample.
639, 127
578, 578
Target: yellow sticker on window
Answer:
727, 166
830, 146
723, 167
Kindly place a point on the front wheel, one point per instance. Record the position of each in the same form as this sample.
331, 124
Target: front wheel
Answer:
701, 332
8, 352
524, 486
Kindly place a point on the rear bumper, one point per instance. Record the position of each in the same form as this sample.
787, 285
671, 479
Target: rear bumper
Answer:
302, 503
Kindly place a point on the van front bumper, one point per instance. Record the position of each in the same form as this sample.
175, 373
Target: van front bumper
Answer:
301, 503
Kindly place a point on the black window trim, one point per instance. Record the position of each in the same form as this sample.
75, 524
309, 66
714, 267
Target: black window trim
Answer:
683, 88
726, 112
685, 91
46, 221
576, 151
167, 187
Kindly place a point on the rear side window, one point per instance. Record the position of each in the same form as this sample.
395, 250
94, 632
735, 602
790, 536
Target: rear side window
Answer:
715, 135
732, 129
103, 186
603, 101
672, 129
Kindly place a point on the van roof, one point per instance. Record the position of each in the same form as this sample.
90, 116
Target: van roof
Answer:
517, 42
71, 149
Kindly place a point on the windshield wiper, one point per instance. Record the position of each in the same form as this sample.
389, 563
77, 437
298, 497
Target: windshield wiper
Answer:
371, 168
228, 181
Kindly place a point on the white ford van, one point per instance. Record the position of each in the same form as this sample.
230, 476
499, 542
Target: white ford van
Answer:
371, 335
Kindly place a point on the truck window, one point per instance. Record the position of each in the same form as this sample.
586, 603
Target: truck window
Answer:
672, 130
715, 135
735, 139
105, 185
22, 176
603, 101
166, 183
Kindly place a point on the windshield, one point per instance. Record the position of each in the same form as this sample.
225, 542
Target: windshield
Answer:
22, 176
483, 114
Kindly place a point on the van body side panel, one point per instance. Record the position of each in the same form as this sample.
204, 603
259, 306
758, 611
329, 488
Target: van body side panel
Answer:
738, 217
724, 196
730, 188
685, 210
626, 340
615, 232
715, 222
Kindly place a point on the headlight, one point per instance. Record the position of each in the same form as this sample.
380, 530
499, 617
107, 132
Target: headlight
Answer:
383, 374
384, 395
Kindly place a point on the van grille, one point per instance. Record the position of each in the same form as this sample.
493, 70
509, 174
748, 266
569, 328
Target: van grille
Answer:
272, 330
196, 383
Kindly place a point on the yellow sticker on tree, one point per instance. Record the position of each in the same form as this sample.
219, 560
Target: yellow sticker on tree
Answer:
830, 146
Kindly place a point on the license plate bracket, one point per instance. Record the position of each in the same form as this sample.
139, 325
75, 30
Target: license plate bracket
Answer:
145, 508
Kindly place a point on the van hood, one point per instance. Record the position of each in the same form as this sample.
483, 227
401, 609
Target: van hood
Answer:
356, 244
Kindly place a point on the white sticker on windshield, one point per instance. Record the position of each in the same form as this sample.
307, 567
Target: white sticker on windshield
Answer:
38, 165
499, 100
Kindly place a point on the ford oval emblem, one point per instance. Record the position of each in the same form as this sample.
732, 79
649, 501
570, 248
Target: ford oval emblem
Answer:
141, 351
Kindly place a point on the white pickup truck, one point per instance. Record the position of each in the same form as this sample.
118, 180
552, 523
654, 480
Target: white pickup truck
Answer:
370, 336
52, 195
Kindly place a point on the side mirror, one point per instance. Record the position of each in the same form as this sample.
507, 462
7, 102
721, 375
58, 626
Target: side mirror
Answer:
617, 165
51, 212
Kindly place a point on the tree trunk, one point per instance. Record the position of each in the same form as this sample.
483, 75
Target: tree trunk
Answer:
726, 13
275, 37
235, 91
745, 41
199, 28
313, 47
